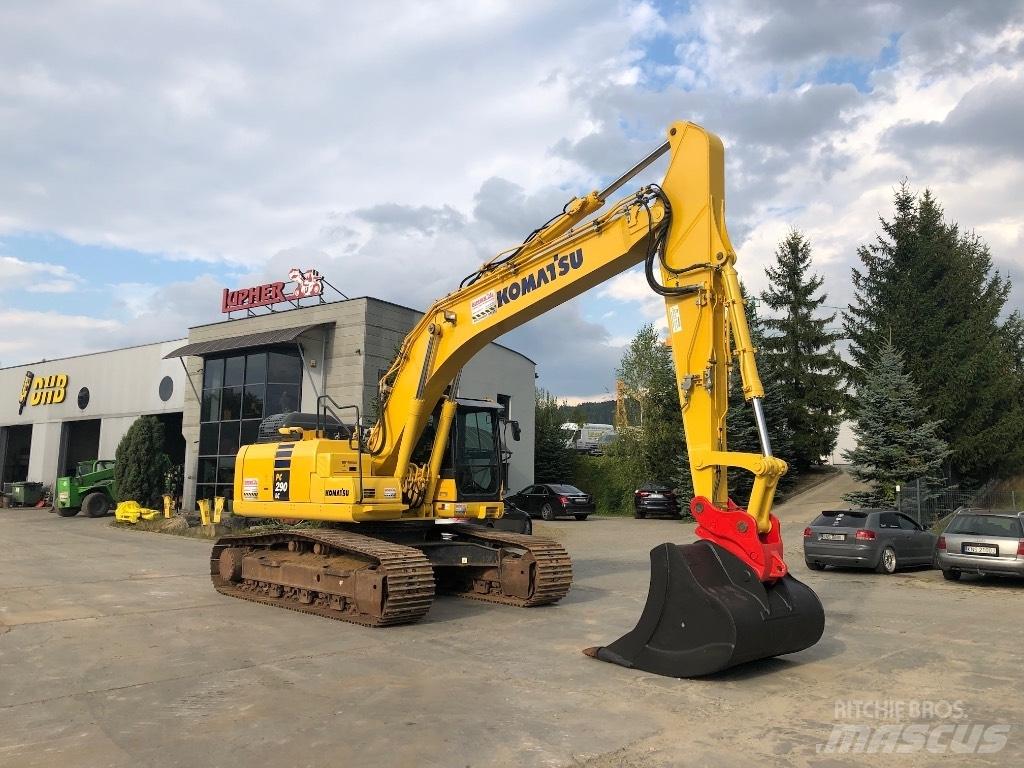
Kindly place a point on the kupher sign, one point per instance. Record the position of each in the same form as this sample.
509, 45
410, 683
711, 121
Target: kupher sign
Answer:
308, 283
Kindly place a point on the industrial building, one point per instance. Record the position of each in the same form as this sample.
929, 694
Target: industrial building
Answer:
212, 389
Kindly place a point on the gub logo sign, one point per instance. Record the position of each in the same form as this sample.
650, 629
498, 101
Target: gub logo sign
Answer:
42, 390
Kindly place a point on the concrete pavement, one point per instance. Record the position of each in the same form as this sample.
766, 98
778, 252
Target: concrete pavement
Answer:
115, 651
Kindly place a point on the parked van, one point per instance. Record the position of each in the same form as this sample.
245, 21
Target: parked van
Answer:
587, 437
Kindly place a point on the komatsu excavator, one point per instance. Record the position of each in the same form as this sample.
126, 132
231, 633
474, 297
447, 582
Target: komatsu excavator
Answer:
722, 601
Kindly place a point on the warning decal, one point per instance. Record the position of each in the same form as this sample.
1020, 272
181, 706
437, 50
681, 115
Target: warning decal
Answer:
483, 306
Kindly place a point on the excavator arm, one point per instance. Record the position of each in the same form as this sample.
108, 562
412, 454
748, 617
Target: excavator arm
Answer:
678, 231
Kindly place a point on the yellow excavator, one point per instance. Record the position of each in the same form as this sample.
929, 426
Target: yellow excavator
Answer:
722, 601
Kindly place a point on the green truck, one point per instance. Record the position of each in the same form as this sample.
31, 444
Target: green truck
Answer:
91, 488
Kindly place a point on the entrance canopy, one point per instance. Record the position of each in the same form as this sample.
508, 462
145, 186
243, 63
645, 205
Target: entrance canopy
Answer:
232, 343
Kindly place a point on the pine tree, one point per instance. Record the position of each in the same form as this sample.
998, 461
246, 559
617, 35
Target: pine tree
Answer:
800, 349
933, 290
140, 471
552, 460
1012, 338
740, 424
895, 440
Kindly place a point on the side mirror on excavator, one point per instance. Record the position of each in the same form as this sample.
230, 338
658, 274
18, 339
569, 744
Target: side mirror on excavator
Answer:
516, 431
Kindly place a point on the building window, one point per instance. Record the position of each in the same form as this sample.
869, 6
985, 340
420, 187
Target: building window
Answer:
166, 388
505, 401
238, 392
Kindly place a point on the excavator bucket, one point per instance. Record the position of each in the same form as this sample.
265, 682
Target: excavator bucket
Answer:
707, 611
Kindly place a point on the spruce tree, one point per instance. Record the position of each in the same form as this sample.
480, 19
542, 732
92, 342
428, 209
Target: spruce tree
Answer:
553, 461
1012, 339
140, 471
740, 424
896, 441
799, 347
932, 288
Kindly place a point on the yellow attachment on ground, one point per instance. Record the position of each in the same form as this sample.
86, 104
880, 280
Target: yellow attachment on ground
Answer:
131, 511
208, 516
168, 505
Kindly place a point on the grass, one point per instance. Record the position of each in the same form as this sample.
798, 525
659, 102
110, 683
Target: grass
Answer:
179, 526
176, 526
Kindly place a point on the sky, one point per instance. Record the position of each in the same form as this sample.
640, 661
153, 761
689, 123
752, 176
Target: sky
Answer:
152, 154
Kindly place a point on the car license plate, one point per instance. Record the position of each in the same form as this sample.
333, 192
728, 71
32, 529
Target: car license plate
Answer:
655, 496
831, 537
979, 549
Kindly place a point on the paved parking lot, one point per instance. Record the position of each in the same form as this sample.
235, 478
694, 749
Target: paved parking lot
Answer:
115, 651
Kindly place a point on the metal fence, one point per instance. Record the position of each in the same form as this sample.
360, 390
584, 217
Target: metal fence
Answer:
926, 505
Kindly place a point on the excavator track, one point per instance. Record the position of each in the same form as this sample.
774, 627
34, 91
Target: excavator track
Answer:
552, 575
404, 574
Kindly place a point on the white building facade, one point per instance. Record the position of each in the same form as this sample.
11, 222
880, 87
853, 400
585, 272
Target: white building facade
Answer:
212, 389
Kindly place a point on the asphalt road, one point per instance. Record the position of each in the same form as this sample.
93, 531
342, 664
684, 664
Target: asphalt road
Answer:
115, 651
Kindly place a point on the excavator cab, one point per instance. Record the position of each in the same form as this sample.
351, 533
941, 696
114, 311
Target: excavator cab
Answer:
475, 461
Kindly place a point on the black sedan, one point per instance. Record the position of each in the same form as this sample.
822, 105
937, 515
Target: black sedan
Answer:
652, 499
551, 500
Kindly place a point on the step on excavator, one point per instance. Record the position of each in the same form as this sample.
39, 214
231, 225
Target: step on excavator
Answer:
722, 601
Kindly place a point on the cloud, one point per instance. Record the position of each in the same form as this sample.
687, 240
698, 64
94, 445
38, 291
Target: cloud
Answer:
987, 119
36, 276
422, 220
573, 355
30, 336
190, 134
398, 146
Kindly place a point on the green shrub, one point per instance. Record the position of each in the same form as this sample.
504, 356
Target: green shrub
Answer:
612, 479
602, 478
140, 473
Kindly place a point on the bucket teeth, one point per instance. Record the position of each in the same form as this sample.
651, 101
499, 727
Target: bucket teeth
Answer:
707, 611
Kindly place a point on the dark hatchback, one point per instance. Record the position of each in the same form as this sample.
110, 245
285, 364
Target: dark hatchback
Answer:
655, 499
867, 538
551, 500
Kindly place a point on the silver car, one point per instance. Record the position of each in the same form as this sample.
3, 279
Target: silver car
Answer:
881, 539
982, 542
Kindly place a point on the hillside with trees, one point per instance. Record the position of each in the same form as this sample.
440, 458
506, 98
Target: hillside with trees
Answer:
590, 412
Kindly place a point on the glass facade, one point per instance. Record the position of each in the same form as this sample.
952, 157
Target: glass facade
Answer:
238, 392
